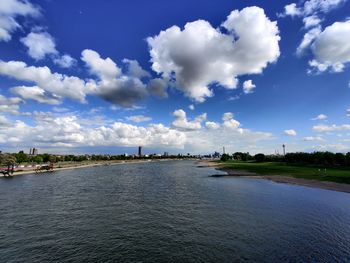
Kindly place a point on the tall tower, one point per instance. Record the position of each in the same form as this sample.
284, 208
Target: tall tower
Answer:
223, 150
140, 151
284, 149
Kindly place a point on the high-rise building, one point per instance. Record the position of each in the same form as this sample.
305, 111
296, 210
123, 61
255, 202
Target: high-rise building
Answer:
33, 151
140, 151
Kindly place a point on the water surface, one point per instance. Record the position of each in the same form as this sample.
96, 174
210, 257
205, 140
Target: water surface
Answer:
168, 212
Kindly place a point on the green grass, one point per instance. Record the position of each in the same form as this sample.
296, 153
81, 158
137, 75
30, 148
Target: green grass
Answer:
339, 175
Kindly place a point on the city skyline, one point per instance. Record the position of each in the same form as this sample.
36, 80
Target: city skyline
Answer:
110, 77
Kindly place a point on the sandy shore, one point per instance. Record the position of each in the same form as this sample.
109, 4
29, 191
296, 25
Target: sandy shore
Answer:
279, 178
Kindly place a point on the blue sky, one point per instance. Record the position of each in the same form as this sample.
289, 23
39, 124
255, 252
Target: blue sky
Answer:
178, 76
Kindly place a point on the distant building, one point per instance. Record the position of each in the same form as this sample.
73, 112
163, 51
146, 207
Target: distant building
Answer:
33, 151
166, 154
140, 151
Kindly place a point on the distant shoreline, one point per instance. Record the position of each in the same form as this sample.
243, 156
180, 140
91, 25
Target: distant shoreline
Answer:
340, 187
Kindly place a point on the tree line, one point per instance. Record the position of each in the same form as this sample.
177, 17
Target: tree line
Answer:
302, 158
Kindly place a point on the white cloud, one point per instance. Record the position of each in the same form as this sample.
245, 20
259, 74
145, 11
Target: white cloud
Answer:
212, 125
311, 21
308, 39
320, 117
200, 55
106, 69
9, 105
114, 86
209, 140
42, 44
331, 47
39, 45
331, 128
311, 12
191, 107
138, 118
311, 7
332, 147
9, 11
248, 87
67, 131
182, 123
292, 10
65, 61
37, 94
313, 138
135, 70
290, 132
230, 123
57, 84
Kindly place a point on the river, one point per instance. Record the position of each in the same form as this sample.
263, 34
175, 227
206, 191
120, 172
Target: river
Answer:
169, 211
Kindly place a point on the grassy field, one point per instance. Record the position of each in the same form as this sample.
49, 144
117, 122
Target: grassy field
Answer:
339, 175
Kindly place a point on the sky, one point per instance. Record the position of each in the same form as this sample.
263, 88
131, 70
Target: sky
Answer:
178, 76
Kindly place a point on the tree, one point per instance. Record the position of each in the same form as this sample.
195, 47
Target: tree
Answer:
37, 159
260, 157
21, 157
7, 159
225, 157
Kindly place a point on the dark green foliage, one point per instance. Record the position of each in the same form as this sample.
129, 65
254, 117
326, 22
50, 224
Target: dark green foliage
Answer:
225, 157
239, 156
327, 159
21, 157
260, 157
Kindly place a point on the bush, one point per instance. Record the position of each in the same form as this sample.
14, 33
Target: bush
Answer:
225, 157
260, 157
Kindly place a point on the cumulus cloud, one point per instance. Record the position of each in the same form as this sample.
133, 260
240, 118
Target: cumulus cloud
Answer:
312, 11
37, 94
331, 48
39, 45
67, 131
212, 125
182, 123
10, 105
191, 107
248, 87
320, 117
10, 10
54, 83
158, 87
290, 132
208, 140
42, 44
230, 123
135, 70
121, 89
200, 55
65, 61
138, 118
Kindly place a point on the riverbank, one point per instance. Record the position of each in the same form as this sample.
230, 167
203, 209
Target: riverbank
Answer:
281, 175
